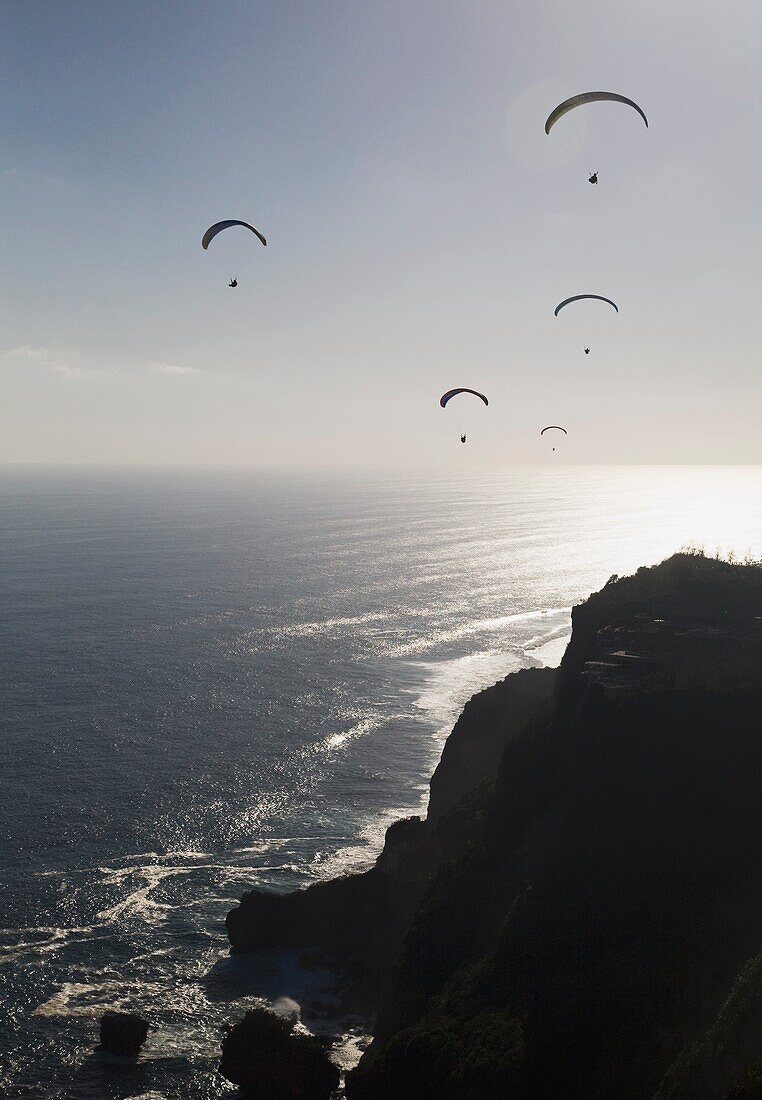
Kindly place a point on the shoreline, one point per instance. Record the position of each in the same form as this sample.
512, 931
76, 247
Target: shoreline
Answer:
353, 1028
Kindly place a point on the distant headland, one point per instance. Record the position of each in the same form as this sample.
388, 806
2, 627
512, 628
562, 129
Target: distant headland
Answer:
580, 913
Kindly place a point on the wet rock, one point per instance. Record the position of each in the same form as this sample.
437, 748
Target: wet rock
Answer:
265, 1057
122, 1033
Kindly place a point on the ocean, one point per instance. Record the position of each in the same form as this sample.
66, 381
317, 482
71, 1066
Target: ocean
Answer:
219, 680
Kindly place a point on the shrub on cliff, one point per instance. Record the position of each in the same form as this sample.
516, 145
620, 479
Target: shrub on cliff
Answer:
446, 1058
750, 1085
710, 1065
265, 1058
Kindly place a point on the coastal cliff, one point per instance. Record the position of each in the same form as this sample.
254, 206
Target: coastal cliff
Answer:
358, 921
580, 915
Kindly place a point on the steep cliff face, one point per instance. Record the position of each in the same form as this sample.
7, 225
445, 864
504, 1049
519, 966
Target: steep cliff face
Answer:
489, 722
610, 889
357, 920
360, 919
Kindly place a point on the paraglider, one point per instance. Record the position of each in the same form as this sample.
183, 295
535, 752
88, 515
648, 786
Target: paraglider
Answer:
448, 396
233, 282
579, 297
589, 97
213, 230
555, 428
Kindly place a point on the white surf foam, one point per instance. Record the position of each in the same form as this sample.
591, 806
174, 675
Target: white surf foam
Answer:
467, 629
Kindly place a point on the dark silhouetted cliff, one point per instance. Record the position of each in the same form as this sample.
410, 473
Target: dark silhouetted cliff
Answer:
577, 916
610, 894
726, 1060
360, 919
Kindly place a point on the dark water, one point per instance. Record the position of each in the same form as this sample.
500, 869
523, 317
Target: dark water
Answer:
212, 681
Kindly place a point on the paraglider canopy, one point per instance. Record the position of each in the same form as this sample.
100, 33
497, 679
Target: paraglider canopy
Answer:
579, 297
589, 97
460, 389
554, 427
213, 230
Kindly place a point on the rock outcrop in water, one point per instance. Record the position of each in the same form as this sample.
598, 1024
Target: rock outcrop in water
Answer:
581, 914
264, 1056
122, 1033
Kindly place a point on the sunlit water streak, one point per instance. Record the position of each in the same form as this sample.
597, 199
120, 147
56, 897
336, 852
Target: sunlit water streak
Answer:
214, 681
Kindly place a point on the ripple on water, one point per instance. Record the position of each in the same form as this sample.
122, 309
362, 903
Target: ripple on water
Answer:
217, 682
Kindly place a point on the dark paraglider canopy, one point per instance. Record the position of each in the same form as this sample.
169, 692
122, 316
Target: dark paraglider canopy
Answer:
579, 297
589, 97
460, 389
554, 428
213, 230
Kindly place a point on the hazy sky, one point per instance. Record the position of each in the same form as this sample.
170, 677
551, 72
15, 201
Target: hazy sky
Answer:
421, 228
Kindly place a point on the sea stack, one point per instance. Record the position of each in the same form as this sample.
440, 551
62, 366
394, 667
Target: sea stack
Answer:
122, 1033
266, 1057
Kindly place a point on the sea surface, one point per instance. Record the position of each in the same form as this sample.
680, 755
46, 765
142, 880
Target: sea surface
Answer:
212, 681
